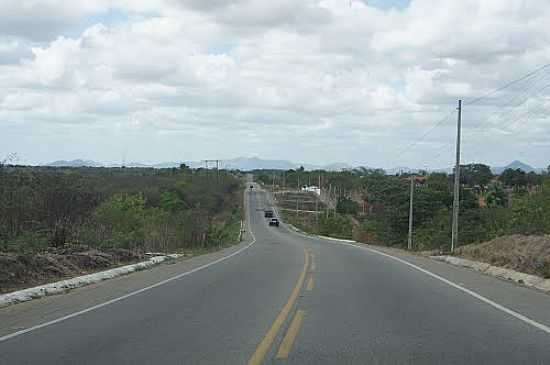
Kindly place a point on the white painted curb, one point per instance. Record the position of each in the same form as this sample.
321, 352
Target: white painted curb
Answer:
63, 286
532, 281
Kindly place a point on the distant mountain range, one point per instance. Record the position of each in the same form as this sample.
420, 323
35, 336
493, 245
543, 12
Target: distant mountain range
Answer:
240, 163
515, 165
255, 163
75, 163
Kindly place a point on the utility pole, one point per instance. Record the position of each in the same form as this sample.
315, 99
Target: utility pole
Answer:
217, 168
317, 203
329, 200
456, 200
410, 239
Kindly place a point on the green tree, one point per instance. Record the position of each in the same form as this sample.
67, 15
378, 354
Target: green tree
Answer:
532, 178
475, 175
123, 217
335, 225
513, 178
346, 206
495, 195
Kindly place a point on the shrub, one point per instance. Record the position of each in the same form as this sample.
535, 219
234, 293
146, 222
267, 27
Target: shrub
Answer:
335, 225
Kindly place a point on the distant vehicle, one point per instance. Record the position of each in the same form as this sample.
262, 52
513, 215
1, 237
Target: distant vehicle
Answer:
251, 187
274, 222
268, 214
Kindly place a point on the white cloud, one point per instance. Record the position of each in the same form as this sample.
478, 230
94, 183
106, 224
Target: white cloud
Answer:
227, 77
42, 20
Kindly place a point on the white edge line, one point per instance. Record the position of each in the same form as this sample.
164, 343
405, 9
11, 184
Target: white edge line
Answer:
131, 294
472, 293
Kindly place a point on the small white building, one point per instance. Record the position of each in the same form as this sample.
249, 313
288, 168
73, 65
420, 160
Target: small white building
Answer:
312, 189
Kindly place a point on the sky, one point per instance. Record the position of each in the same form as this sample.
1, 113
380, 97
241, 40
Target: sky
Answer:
372, 83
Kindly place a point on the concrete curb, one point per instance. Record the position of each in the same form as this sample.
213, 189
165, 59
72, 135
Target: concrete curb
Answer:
528, 280
336, 239
63, 286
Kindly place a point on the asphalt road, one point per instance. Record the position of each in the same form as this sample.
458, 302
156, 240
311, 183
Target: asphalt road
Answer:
283, 298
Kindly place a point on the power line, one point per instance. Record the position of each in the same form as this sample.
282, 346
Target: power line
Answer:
425, 134
510, 118
521, 97
525, 93
508, 84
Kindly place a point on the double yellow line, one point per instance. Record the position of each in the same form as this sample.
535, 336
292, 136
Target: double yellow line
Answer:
264, 346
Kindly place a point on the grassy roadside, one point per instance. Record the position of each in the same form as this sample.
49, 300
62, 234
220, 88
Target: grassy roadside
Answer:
25, 270
61, 223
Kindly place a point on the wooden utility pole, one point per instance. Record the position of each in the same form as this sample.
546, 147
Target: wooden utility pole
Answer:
456, 197
410, 238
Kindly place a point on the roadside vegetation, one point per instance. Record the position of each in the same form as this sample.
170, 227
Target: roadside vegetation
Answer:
59, 222
373, 207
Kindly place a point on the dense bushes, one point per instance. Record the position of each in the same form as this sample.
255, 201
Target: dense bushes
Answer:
335, 225
490, 206
525, 213
140, 209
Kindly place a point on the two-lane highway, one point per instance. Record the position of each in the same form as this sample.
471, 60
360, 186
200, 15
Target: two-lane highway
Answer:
298, 300
213, 316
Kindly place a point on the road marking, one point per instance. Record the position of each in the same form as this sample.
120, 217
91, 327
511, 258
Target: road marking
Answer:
309, 286
311, 261
472, 293
266, 343
291, 334
131, 294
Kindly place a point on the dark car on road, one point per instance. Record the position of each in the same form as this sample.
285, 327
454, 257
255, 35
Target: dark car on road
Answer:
274, 222
268, 214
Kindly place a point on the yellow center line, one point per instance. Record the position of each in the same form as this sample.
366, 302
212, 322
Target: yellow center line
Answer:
310, 283
291, 334
264, 346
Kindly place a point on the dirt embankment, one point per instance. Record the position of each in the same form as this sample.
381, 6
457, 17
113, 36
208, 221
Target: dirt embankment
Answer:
18, 271
528, 254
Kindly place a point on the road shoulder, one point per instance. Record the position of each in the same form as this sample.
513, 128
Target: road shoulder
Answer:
24, 315
526, 301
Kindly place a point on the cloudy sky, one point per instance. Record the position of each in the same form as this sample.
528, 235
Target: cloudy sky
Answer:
315, 81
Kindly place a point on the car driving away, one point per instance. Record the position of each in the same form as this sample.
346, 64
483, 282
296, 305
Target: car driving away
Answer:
274, 222
268, 213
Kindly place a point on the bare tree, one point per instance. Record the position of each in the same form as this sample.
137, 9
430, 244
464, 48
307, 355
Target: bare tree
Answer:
10, 158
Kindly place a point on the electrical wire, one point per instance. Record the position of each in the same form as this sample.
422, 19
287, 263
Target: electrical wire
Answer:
425, 134
507, 85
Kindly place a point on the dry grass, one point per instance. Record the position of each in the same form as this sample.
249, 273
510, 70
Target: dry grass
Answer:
19, 271
528, 254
